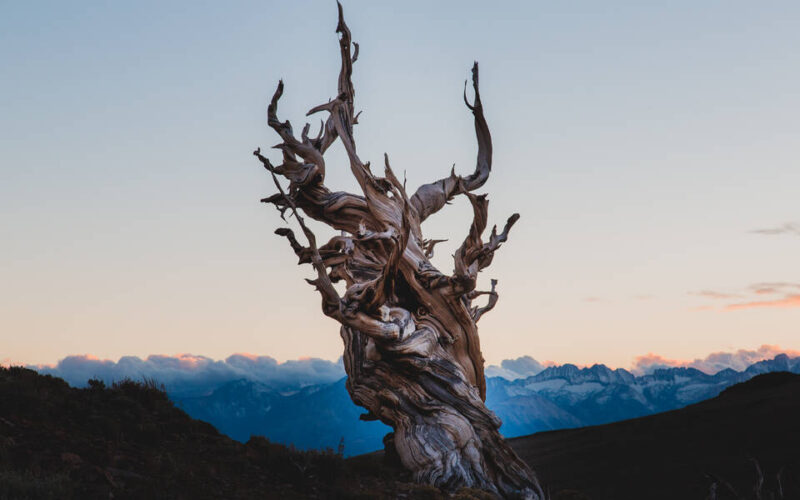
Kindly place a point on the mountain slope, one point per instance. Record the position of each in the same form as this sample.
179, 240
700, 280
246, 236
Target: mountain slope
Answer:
666, 456
130, 442
315, 417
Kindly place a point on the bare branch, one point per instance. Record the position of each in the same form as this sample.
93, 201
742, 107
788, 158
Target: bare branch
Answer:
346, 91
331, 302
430, 198
495, 240
473, 255
301, 251
412, 351
427, 246
467, 253
477, 312
314, 167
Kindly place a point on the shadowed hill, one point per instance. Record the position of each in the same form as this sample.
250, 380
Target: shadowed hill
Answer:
669, 454
130, 441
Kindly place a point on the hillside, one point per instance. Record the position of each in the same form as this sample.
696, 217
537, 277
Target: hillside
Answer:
314, 417
129, 441
666, 456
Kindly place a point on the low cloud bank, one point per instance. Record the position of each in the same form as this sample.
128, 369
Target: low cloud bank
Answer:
526, 366
714, 362
512, 369
186, 373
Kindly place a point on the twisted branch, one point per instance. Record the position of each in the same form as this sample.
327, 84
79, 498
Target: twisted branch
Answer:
430, 198
412, 352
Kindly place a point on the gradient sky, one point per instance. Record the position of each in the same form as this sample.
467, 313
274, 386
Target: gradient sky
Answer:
651, 149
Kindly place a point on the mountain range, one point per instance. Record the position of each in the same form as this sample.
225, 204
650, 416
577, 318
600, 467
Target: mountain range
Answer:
558, 397
128, 441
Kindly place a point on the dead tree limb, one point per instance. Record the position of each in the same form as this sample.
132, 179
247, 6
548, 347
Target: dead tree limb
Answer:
411, 346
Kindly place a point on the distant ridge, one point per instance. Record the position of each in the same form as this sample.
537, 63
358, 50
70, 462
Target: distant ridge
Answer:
558, 397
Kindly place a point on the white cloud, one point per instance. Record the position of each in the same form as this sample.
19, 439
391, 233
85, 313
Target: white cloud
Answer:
186, 373
511, 369
714, 362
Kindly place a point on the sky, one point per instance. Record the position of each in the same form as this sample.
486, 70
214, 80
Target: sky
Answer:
650, 149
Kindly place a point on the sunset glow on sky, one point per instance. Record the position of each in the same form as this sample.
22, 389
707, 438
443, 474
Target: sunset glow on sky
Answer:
651, 151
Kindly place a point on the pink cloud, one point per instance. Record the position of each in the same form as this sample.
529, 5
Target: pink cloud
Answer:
651, 359
789, 301
756, 292
185, 372
714, 362
774, 287
250, 356
711, 294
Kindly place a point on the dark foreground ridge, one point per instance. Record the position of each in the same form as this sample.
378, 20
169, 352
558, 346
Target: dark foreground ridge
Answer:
679, 454
130, 441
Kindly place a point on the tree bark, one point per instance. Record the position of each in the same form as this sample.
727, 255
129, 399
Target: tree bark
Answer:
411, 347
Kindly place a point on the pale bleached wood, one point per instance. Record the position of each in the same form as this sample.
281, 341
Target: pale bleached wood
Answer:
411, 346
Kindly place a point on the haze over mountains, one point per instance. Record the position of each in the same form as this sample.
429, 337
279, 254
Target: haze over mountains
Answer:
193, 374
305, 402
559, 397
187, 374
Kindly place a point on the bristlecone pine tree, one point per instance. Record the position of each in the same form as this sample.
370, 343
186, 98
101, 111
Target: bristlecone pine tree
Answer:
411, 348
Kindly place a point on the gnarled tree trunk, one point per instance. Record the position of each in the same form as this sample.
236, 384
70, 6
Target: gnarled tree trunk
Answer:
412, 353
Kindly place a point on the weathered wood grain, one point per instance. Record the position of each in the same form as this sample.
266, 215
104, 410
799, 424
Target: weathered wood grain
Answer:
411, 347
